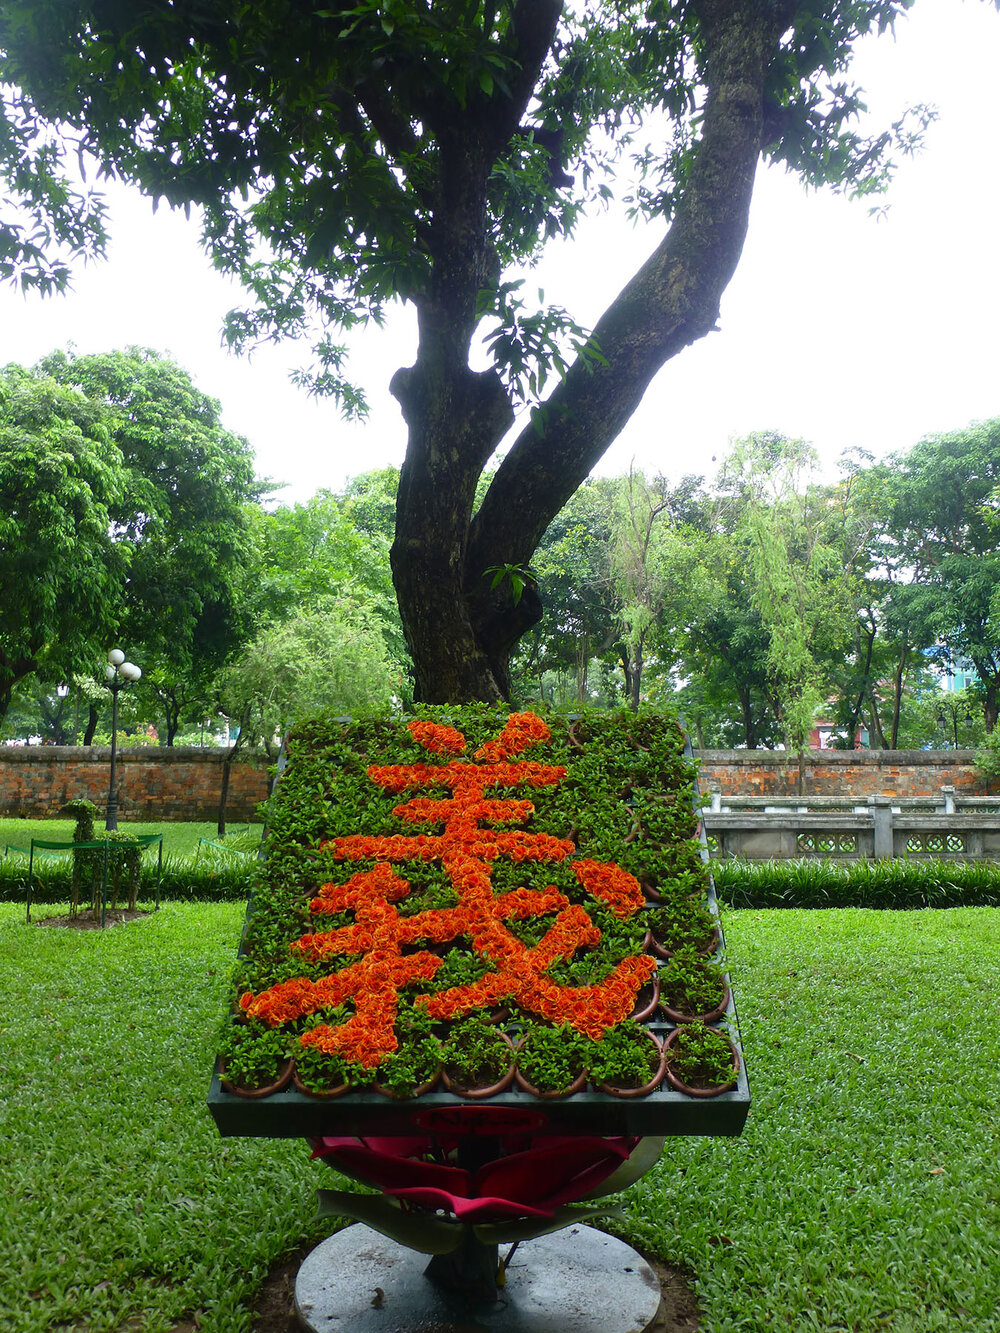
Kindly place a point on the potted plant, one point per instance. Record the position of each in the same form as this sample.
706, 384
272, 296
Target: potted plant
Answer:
551, 1061
692, 986
627, 1061
414, 1066
700, 1060
254, 1060
477, 1059
684, 921
319, 1073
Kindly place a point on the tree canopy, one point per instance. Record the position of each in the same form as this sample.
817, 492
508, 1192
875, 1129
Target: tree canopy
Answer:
126, 514
350, 155
62, 479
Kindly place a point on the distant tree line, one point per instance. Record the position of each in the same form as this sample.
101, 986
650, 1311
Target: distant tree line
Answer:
754, 600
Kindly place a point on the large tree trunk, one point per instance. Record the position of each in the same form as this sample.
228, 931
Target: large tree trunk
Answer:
460, 631
455, 419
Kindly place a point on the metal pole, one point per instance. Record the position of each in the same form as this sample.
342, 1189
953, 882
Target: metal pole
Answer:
111, 821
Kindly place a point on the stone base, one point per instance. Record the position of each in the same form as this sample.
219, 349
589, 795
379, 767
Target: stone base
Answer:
578, 1278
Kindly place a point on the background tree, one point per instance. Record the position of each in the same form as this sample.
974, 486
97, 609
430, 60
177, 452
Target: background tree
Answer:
62, 479
331, 552
349, 156
804, 555
322, 659
183, 519
940, 523
640, 564
579, 624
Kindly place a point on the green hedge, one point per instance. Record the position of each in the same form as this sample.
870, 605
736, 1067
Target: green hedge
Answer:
893, 884
877, 884
181, 880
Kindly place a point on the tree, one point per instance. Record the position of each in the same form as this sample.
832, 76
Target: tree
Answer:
572, 569
804, 554
329, 659
183, 519
940, 522
62, 479
352, 155
331, 552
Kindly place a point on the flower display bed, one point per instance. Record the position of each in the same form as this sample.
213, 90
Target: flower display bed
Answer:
469, 863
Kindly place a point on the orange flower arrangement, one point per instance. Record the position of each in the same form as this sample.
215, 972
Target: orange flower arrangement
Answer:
466, 849
437, 738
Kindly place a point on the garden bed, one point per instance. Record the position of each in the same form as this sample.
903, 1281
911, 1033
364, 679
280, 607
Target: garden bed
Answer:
468, 863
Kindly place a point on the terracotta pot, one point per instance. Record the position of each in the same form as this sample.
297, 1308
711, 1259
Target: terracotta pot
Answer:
616, 1090
711, 1016
650, 892
280, 1083
418, 1091
577, 1085
327, 1093
646, 1000
490, 1090
689, 1089
661, 951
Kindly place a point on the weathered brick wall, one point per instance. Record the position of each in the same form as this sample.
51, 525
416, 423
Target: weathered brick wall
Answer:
840, 772
153, 783
183, 783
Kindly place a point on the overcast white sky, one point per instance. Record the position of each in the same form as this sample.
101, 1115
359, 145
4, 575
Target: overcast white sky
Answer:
841, 328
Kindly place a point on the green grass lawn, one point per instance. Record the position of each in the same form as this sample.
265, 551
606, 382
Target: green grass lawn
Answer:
863, 1195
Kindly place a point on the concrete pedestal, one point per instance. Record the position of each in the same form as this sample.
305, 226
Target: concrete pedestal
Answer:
578, 1278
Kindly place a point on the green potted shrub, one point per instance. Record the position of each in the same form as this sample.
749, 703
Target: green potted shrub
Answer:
254, 1060
687, 921
627, 1061
551, 1061
700, 1060
414, 1066
477, 1059
320, 1073
692, 986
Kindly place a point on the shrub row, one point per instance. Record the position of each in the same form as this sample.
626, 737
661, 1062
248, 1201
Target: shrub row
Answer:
181, 880
877, 884
895, 884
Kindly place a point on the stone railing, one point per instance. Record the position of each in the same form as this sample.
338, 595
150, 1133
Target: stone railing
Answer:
761, 828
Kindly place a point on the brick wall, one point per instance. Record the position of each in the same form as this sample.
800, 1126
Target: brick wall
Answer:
840, 772
153, 783
183, 783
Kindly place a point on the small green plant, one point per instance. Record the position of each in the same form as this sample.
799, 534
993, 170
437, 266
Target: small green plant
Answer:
319, 1071
475, 1054
519, 577
701, 1057
691, 983
624, 1057
417, 1057
687, 921
460, 967
254, 1054
551, 1058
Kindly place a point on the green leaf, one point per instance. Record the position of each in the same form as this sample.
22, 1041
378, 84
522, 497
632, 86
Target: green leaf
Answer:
418, 1231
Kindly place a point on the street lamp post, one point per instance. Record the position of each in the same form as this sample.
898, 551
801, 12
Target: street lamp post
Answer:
119, 673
